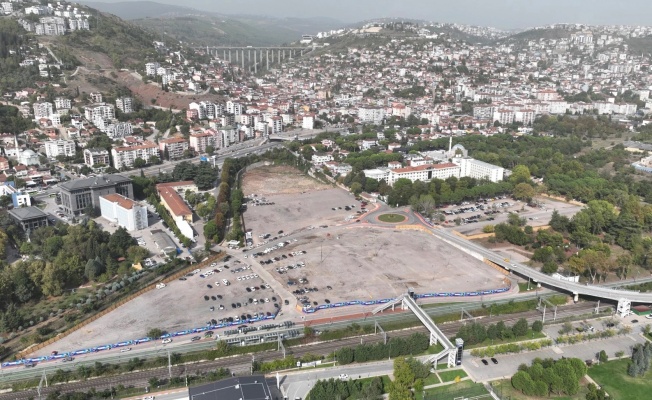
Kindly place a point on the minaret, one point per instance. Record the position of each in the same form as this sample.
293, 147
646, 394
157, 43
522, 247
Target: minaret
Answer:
450, 145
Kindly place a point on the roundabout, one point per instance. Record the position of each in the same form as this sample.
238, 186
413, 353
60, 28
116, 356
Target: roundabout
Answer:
392, 218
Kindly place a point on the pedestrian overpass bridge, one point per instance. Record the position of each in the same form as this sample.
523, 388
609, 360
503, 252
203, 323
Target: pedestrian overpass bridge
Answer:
436, 335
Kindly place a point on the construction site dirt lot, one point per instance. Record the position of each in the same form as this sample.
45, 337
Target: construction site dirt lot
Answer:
280, 179
367, 263
178, 306
299, 202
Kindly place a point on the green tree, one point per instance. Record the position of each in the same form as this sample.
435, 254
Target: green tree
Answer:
537, 326
524, 191
139, 163
520, 327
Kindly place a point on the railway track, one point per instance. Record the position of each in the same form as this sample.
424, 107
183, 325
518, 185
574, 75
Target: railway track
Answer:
242, 363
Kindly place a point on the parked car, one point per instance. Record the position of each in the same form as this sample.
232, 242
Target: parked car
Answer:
493, 360
166, 341
485, 362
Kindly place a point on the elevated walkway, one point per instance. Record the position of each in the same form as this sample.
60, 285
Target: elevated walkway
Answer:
436, 335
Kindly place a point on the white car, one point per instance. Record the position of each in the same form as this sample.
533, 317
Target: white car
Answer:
649, 316
125, 350
217, 284
160, 285
343, 377
148, 398
166, 341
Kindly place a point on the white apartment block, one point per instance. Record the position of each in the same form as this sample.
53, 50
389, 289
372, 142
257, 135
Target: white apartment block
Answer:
125, 104
201, 109
424, 172
308, 122
50, 26
42, 110
96, 97
55, 148
150, 68
200, 141
123, 211
125, 156
374, 115
78, 24
115, 129
174, 146
379, 174
275, 125
96, 156
234, 108
227, 135
97, 111
477, 169
7, 7
61, 103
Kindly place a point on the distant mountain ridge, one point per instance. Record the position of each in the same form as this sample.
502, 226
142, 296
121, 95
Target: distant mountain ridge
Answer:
202, 28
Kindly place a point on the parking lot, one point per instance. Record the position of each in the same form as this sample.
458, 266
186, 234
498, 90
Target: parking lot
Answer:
474, 216
508, 364
189, 302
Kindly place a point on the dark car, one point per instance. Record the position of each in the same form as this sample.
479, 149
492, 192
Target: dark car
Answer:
195, 338
634, 321
493, 360
287, 302
206, 297
485, 362
610, 325
232, 305
182, 279
238, 304
213, 298
209, 286
219, 296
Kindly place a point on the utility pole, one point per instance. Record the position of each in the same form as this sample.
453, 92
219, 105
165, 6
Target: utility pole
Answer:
170, 365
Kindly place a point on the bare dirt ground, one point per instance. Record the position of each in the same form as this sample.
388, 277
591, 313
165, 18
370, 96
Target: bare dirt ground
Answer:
373, 263
358, 263
280, 179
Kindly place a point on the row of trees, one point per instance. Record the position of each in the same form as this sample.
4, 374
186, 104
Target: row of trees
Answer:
548, 376
340, 389
641, 357
476, 333
415, 344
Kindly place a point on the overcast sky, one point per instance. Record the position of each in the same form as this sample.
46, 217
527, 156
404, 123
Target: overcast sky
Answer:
505, 14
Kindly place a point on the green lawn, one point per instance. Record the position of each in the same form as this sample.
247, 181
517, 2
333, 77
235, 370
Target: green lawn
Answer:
432, 379
465, 389
391, 218
435, 349
449, 376
612, 376
528, 336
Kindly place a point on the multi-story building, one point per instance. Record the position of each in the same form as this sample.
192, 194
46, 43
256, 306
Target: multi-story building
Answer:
424, 172
78, 194
477, 169
96, 111
115, 129
200, 141
50, 26
96, 156
125, 156
123, 211
78, 24
96, 97
234, 108
42, 109
174, 146
374, 115
308, 121
150, 68
61, 103
124, 104
55, 148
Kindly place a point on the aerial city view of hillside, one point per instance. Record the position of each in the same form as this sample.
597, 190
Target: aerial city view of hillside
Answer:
253, 200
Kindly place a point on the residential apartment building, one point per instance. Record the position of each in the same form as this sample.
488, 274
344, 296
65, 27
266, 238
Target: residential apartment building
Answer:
200, 141
174, 146
234, 108
308, 122
96, 111
96, 156
55, 148
125, 156
61, 103
150, 68
123, 211
124, 104
374, 115
42, 109
95, 97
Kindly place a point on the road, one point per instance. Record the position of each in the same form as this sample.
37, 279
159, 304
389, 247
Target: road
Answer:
524, 270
